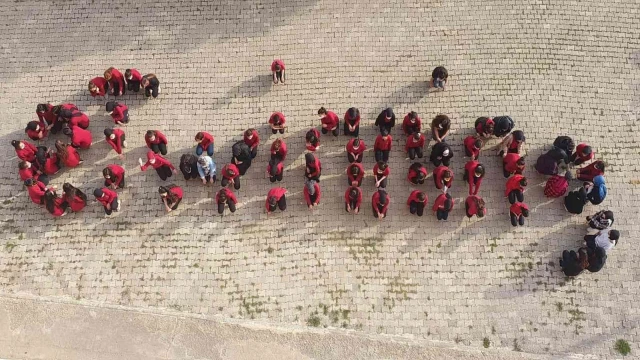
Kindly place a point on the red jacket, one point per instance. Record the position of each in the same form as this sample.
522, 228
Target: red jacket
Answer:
516, 209
116, 78
27, 173
360, 174
317, 135
316, 169
406, 124
353, 122
438, 174
470, 204
230, 196
469, 142
135, 75
76, 204
411, 143
510, 161
282, 152
100, 82
279, 168
50, 167
160, 139
81, 138
79, 119
439, 203
375, 202
278, 192
413, 174
108, 197
230, 167
35, 135
377, 175
160, 162
73, 158
36, 192
358, 200
307, 196
116, 143
254, 141
177, 191
359, 150
480, 128
272, 120
513, 183
279, 62
206, 140
470, 168
118, 112
586, 173
28, 153
118, 174
413, 197
57, 208
330, 120
48, 115
381, 144
579, 150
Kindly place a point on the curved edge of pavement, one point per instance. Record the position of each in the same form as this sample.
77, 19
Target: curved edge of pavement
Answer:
46, 328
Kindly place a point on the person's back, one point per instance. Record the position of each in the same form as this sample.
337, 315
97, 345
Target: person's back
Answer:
574, 201
597, 259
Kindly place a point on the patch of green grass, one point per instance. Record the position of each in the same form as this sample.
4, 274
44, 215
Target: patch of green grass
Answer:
10, 246
314, 321
486, 343
622, 347
559, 306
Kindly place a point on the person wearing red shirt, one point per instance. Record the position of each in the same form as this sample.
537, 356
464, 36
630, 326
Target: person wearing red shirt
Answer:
80, 138
417, 174
583, 153
512, 163
119, 112
355, 150
205, 143
330, 121
312, 194
113, 176
484, 127
440, 127
116, 138
414, 145
68, 154
515, 188
25, 150
252, 140
231, 175
472, 146
151, 85
517, 212
473, 175
171, 196
73, 118
313, 167
108, 199
133, 78
416, 202
276, 200
277, 69
62, 114
163, 167
279, 150
442, 206
98, 86
275, 169
55, 205
45, 113
382, 146
474, 205
443, 178
226, 196
411, 123
556, 185
313, 139
277, 121
355, 173
76, 199
353, 199
380, 204
380, 174
589, 172
116, 81
36, 190
352, 122
512, 143
157, 142
47, 160
28, 171
36, 130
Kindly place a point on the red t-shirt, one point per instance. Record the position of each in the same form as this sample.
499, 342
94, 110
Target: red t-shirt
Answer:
73, 158
439, 202
276, 192
100, 82
254, 141
347, 199
28, 153
116, 143
330, 120
135, 75
359, 150
118, 174
230, 196
160, 139
232, 167
378, 175
513, 183
160, 162
76, 204
510, 161
580, 149
413, 174
381, 144
469, 143
413, 197
360, 174
516, 208
108, 197
36, 192
406, 124
277, 62
307, 196
412, 143
206, 140
272, 119
282, 152
375, 201
438, 174
81, 138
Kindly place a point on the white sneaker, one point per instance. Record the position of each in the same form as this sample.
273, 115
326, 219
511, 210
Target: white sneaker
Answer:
118, 208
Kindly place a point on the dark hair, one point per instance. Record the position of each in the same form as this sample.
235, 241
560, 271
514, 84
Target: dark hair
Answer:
71, 191
520, 161
127, 73
388, 112
614, 235
249, 132
448, 204
417, 135
49, 201
32, 125
108, 132
277, 143
278, 67
413, 115
42, 107
384, 131
110, 106
222, 196
447, 174
107, 172
91, 85
383, 196
523, 182
151, 133
354, 169
108, 74
56, 109
421, 196
309, 158
478, 144
147, 79
525, 212
322, 111
441, 120
67, 131
354, 192
272, 200
353, 113
382, 165
356, 142
276, 118
311, 137
22, 165
167, 190
479, 170
518, 135
587, 150
199, 136
15, 143
608, 215
599, 165
416, 166
61, 148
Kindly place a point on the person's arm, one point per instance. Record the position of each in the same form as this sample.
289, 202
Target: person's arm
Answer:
166, 206
504, 146
445, 134
143, 165
201, 173
434, 133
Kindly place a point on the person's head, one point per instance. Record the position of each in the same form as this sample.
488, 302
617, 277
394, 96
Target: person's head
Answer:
41, 108
354, 170
311, 137
520, 162
278, 67
614, 235
231, 172
599, 165
107, 173
93, 87
353, 113
353, 193
382, 166
478, 144
489, 127
277, 144
49, 200
421, 196
309, 159
24, 165
146, 80
108, 133
518, 136
322, 111
30, 182
203, 161
413, 116
163, 191
151, 135
17, 144
383, 197
61, 148
127, 74
273, 200
249, 133
446, 175
110, 106
199, 136
442, 122
388, 113
222, 196
108, 74
98, 193
68, 188
56, 109
523, 182
151, 157
446, 151
525, 212
608, 215
385, 133
33, 126
416, 136
356, 143
478, 171
276, 119
586, 151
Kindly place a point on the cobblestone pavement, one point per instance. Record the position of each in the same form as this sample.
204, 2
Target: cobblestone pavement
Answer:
563, 67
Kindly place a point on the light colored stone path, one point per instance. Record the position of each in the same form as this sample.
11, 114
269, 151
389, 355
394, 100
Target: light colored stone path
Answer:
563, 67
